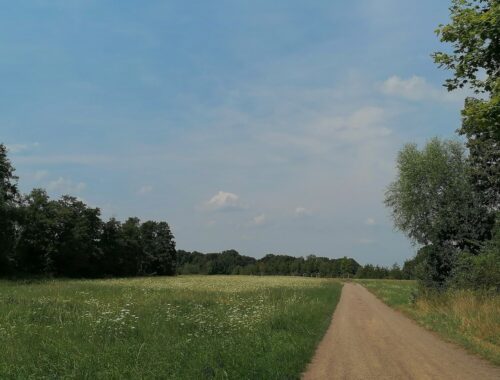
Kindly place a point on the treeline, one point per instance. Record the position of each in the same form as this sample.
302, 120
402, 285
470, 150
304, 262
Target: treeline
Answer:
67, 238
446, 198
231, 262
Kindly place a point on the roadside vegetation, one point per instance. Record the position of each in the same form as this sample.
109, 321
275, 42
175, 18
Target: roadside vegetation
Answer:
446, 195
186, 327
469, 318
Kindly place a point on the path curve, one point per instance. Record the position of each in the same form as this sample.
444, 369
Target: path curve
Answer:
369, 340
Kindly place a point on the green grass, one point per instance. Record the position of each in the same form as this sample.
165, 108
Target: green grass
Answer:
468, 318
187, 327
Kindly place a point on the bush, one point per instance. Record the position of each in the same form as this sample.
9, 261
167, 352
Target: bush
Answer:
481, 272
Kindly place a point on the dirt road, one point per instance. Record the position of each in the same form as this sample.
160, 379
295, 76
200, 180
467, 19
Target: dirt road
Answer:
369, 340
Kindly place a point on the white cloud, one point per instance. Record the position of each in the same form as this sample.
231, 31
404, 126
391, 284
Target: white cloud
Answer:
69, 159
64, 185
18, 148
370, 221
323, 133
302, 211
224, 201
146, 189
417, 88
259, 220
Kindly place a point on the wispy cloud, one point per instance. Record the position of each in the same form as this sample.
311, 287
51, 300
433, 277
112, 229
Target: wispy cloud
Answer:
66, 186
224, 201
417, 88
19, 148
259, 220
370, 221
79, 159
302, 211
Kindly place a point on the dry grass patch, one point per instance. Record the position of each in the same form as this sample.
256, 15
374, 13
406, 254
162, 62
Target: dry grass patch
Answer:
471, 319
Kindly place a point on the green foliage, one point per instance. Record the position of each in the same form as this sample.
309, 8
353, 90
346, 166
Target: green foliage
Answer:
66, 238
159, 256
163, 327
481, 126
37, 242
9, 200
432, 200
77, 234
474, 35
479, 272
443, 199
231, 262
474, 32
436, 266
395, 272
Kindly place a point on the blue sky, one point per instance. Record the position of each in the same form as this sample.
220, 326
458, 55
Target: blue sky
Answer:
263, 126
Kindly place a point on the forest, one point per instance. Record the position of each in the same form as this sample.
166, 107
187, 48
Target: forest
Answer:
66, 238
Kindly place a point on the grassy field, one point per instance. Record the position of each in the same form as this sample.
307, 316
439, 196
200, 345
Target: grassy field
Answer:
187, 327
464, 317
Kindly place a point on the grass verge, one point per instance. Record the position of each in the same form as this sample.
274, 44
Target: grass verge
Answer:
468, 318
187, 327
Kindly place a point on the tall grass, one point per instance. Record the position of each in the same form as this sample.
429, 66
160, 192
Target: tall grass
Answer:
471, 319
175, 328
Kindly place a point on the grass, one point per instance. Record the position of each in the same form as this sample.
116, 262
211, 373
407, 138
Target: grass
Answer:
468, 318
187, 327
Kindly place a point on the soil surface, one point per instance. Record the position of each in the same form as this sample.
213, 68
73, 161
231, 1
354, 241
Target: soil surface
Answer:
369, 340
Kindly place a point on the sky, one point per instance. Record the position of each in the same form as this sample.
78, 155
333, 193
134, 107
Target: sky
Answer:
261, 126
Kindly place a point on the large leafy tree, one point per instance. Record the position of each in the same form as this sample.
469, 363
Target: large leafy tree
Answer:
9, 200
435, 204
77, 238
113, 249
474, 33
36, 246
158, 249
432, 199
133, 260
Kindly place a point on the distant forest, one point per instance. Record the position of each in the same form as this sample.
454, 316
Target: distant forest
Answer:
40, 236
231, 262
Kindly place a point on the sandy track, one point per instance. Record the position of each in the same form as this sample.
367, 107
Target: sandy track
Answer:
369, 340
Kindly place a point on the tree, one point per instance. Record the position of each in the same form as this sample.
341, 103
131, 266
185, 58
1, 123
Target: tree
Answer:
77, 233
133, 251
158, 254
481, 126
9, 201
474, 32
36, 246
113, 248
432, 200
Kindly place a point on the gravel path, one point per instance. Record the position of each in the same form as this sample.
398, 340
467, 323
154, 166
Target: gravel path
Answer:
369, 340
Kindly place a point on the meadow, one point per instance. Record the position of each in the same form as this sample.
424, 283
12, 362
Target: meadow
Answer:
183, 327
470, 319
